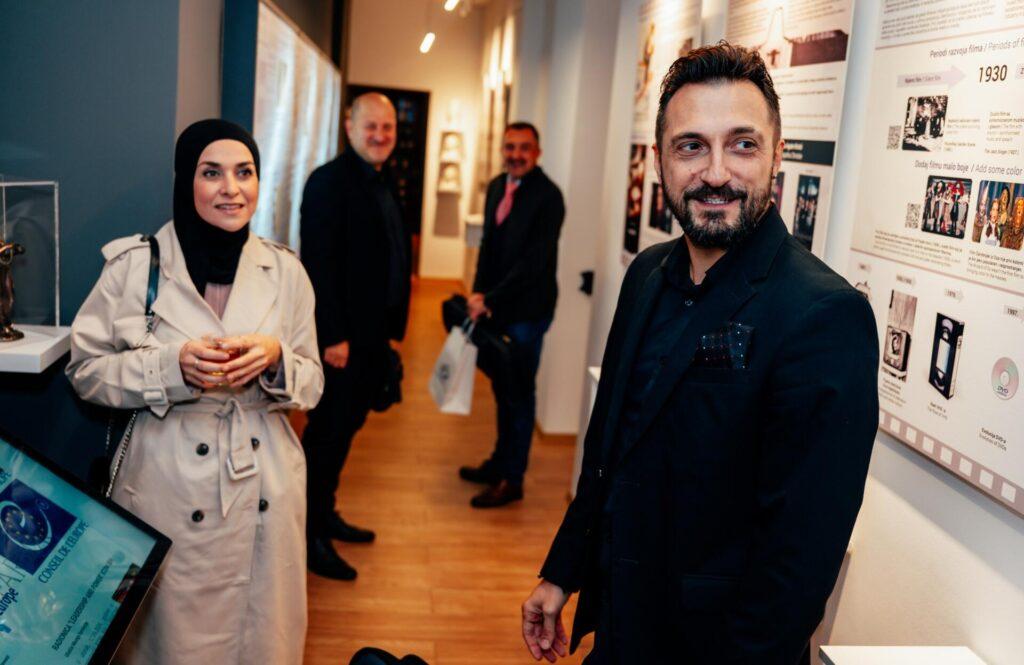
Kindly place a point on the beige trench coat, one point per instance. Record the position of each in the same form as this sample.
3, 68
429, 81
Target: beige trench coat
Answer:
233, 589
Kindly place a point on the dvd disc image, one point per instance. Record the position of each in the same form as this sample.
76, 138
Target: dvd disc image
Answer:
945, 354
1005, 378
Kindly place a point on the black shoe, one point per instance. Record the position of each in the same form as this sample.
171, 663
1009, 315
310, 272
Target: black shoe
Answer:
339, 529
485, 474
323, 560
497, 495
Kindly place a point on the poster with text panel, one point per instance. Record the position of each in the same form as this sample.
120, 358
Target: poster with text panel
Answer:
666, 31
940, 225
804, 43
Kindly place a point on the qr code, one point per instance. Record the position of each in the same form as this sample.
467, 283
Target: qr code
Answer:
913, 215
895, 134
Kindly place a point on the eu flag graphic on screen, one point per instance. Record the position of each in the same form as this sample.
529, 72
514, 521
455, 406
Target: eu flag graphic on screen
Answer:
30, 526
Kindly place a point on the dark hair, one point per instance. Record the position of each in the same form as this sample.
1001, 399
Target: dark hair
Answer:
718, 63
523, 125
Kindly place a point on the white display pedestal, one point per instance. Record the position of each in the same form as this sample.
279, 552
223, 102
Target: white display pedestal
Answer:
593, 378
40, 348
837, 655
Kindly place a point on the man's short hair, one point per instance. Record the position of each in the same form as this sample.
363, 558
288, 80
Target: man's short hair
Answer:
719, 63
521, 126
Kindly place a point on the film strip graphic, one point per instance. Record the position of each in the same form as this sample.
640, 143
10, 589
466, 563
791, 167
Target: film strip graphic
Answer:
983, 478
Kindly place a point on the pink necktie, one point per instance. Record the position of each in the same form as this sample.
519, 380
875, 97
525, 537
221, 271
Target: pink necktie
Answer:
505, 207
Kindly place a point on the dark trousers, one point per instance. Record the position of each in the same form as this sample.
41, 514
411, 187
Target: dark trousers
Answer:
516, 397
328, 436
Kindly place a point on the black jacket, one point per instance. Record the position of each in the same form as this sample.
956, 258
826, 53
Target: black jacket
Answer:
727, 515
346, 252
517, 266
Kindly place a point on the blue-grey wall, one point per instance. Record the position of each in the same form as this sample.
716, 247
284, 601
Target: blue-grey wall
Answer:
88, 100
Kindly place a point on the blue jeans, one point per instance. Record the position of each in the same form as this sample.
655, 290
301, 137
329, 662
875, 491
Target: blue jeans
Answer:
516, 398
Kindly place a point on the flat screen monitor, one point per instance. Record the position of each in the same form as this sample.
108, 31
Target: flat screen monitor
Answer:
74, 566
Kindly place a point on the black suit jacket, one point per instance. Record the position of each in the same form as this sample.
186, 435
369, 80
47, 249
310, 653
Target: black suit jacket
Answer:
517, 266
345, 250
728, 513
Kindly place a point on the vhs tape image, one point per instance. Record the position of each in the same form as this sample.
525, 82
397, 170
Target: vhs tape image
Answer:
945, 354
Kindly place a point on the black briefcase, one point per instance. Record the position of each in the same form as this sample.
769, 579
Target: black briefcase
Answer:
496, 352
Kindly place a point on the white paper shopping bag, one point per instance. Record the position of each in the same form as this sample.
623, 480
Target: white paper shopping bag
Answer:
451, 384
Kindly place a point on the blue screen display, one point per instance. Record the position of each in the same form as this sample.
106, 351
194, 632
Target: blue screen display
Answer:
66, 564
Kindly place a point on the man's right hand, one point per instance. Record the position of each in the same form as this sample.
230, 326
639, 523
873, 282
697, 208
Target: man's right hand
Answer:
337, 356
543, 631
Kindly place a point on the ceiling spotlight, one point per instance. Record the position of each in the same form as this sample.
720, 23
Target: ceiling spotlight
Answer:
428, 41
450, 5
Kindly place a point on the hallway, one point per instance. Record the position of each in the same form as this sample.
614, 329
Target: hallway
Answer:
443, 580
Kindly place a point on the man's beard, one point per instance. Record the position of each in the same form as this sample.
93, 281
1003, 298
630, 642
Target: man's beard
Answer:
714, 232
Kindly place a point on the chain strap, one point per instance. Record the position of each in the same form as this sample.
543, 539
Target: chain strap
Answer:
122, 450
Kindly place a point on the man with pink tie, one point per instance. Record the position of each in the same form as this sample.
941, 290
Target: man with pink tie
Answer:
516, 288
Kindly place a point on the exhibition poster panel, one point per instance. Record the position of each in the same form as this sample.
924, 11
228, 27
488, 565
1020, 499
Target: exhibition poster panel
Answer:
667, 30
938, 234
804, 43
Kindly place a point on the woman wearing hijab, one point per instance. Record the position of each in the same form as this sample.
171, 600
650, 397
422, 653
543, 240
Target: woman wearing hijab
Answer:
212, 462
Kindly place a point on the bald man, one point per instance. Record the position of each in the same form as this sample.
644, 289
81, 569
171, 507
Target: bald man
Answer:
357, 252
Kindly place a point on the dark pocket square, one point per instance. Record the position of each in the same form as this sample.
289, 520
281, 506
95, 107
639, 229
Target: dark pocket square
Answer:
727, 347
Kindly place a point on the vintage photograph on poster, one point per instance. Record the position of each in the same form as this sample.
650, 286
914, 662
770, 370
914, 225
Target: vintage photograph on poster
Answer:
807, 189
635, 197
780, 179
999, 215
946, 204
660, 217
945, 354
779, 49
925, 123
896, 343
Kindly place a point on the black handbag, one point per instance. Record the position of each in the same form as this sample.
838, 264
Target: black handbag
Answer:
104, 469
496, 352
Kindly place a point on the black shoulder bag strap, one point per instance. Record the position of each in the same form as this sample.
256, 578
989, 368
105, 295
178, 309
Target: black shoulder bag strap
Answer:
122, 449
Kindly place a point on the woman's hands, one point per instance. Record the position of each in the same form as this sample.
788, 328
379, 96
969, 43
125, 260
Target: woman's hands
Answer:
257, 354
232, 361
201, 363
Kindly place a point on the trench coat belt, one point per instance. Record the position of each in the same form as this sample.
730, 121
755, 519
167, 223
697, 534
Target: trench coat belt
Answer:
234, 445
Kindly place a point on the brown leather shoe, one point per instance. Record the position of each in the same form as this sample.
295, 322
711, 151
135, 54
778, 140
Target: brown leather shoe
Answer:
497, 495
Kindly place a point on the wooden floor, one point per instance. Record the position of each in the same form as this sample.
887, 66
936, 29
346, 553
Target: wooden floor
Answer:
443, 581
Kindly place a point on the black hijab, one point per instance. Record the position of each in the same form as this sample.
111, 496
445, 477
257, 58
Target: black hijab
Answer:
211, 254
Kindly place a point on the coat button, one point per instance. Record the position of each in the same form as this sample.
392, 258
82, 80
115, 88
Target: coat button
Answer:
264, 504
600, 472
198, 516
255, 443
202, 449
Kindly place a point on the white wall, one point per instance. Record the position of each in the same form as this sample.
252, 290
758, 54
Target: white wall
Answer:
576, 100
385, 36
932, 560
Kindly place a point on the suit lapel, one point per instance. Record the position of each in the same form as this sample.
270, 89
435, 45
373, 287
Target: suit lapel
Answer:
630, 343
254, 290
711, 313
177, 303
738, 285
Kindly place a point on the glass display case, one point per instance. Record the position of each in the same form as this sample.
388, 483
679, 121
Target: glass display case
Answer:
31, 335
